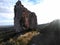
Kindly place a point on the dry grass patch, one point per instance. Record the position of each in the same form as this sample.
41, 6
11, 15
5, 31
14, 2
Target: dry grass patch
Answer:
22, 39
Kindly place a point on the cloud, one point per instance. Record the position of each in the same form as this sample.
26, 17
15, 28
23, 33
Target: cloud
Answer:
6, 12
7, 15
34, 1
46, 10
6, 22
6, 19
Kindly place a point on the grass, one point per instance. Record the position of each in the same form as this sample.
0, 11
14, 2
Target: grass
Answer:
21, 39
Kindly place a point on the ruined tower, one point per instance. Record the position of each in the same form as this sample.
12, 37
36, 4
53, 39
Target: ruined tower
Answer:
23, 18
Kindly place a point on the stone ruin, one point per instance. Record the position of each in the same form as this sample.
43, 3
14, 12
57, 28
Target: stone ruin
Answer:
24, 19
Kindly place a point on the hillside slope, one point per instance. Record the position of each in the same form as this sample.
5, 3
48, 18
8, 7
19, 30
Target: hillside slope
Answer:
50, 35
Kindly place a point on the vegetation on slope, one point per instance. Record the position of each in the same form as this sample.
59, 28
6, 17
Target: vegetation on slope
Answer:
21, 39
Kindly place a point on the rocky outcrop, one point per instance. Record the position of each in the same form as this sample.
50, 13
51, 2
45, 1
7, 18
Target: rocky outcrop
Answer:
23, 19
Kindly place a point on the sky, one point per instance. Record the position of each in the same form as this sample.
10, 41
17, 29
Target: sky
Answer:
46, 10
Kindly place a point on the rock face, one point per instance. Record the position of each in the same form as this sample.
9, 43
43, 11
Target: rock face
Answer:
23, 19
50, 35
